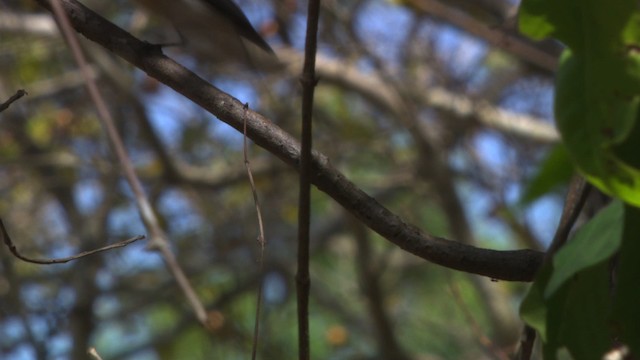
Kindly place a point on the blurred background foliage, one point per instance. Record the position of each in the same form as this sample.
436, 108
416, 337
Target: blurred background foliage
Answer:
437, 109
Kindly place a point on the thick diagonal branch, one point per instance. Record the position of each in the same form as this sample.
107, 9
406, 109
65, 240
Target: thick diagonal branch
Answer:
516, 265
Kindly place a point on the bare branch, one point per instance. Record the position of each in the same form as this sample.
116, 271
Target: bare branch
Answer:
374, 88
5, 105
308, 81
574, 202
261, 240
158, 237
510, 42
514, 265
7, 240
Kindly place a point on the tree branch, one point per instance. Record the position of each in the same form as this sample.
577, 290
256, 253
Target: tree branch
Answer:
158, 239
7, 241
5, 105
544, 57
308, 81
514, 265
370, 85
373, 87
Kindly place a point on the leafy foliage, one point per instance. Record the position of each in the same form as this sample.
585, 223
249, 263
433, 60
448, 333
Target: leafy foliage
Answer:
596, 108
598, 85
568, 302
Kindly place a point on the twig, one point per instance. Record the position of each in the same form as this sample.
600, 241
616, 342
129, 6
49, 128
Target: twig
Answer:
261, 239
527, 339
158, 239
7, 240
5, 105
308, 81
574, 201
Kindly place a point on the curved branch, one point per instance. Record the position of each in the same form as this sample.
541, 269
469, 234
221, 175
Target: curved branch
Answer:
514, 265
12, 248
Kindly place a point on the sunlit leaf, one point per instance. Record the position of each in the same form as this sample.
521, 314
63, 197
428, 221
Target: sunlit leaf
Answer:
539, 19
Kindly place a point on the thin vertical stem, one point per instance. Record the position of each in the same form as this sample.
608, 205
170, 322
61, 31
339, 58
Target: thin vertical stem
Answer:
262, 241
308, 80
158, 239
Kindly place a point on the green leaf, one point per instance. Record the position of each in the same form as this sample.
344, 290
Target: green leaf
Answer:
583, 316
592, 123
626, 312
556, 169
622, 181
590, 114
627, 151
537, 311
569, 302
539, 19
575, 316
588, 26
598, 85
533, 309
595, 242
596, 108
